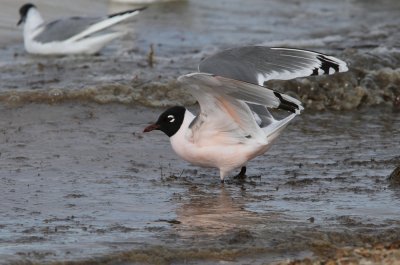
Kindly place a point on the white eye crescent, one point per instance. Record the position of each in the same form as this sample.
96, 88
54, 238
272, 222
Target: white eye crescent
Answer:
171, 118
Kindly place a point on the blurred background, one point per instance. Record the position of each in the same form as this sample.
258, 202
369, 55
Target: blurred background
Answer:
178, 34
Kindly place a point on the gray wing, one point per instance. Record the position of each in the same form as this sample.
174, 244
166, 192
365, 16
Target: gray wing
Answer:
81, 27
225, 115
258, 64
63, 29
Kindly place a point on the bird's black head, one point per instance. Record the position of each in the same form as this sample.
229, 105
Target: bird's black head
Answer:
169, 121
23, 11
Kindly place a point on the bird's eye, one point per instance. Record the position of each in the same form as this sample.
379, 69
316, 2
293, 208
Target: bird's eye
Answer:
171, 118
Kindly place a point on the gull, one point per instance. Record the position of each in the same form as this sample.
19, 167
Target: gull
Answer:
73, 35
234, 124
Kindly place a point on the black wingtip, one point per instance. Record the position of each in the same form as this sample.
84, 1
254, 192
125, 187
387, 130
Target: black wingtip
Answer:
327, 67
286, 105
127, 12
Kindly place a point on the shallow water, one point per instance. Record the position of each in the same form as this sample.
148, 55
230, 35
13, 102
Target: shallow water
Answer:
79, 181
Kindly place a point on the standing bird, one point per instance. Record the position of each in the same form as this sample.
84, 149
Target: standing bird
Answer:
234, 124
74, 35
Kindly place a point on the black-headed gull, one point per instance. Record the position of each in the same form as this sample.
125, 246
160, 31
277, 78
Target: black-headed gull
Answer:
234, 124
73, 35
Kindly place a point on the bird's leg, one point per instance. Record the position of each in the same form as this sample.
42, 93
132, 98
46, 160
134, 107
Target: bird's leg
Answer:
242, 173
222, 176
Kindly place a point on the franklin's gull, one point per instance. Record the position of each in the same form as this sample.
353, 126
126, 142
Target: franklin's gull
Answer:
234, 124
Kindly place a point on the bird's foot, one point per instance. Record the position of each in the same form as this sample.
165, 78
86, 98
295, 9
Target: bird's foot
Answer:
242, 174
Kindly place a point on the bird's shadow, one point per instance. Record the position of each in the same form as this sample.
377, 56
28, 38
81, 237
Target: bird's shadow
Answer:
209, 180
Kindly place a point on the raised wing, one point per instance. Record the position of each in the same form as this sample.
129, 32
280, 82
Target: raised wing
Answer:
258, 64
226, 108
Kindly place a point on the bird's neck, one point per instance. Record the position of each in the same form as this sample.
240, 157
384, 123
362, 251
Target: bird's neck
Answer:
32, 23
181, 133
180, 140
187, 120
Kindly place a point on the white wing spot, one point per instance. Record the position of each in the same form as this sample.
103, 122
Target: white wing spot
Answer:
331, 70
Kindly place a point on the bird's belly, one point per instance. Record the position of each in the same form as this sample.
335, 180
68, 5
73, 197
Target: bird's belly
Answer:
231, 156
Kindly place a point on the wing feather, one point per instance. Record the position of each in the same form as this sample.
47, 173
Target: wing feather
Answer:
258, 64
233, 100
63, 29
225, 111
75, 28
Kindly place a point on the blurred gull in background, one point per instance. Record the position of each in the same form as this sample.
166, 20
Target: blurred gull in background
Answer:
73, 35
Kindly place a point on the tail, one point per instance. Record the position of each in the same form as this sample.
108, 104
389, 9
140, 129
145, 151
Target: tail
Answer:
111, 20
274, 129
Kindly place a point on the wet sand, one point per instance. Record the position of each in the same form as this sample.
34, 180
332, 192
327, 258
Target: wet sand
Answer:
81, 180
80, 183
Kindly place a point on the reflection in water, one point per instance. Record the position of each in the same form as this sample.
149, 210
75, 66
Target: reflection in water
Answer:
209, 213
